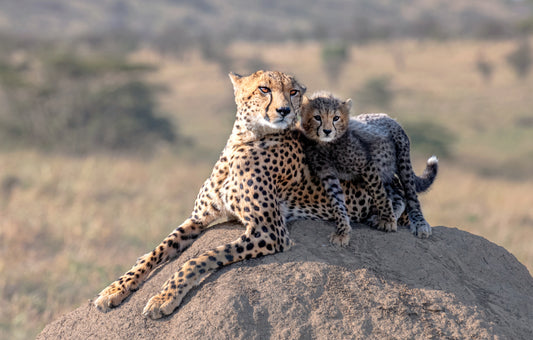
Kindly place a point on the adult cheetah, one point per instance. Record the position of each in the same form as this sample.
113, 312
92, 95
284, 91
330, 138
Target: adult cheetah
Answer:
261, 180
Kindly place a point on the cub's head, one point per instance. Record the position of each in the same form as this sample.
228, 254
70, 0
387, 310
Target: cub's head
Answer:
324, 117
267, 101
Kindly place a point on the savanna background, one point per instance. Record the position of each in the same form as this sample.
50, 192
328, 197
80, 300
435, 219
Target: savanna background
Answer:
113, 112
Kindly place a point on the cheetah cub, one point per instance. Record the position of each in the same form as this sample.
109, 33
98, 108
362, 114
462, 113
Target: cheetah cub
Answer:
371, 147
335, 154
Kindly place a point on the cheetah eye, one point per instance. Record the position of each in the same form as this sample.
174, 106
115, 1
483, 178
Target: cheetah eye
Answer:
294, 93
264, 89
336, 118
317, 118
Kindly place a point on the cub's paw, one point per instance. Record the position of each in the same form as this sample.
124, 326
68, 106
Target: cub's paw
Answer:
112, 296
388, 225
422, 229
161, 305
372, 221
339, 240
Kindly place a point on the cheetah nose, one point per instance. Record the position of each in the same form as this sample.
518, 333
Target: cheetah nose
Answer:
283, 111
327, 132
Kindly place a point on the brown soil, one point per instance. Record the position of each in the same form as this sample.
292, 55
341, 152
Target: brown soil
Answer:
454, 285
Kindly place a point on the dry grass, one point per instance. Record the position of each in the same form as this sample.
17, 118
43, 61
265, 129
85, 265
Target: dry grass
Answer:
68, 226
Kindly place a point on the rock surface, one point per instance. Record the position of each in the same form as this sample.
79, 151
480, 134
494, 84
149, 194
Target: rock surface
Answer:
454, 285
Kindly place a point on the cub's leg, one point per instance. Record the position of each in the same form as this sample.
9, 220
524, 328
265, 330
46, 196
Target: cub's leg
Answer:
332, 186
418, 223
258, 240
204, 212
376, 189
397, 196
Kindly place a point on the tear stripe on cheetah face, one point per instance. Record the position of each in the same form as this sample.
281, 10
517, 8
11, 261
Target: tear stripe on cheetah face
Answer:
267, 103
324, 117
262, 180
335, 154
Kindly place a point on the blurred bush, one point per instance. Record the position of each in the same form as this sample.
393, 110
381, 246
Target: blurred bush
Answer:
520, 59
484, 67
376, 92
60, 99
428, 138
334, 57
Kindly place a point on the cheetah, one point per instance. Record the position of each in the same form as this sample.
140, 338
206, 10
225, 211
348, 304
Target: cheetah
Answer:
335, 153
373, 147
261, 180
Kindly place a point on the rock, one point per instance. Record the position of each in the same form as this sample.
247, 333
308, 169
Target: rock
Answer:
453, 285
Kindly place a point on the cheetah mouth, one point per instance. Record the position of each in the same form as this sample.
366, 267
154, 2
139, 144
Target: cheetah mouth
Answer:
326, 138
281, 123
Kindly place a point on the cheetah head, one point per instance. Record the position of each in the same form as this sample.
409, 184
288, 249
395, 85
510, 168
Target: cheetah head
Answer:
324, 117
267, 101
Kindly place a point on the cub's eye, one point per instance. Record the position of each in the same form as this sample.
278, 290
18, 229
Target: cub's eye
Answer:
317, 118
294, 92
264, 89
336, 118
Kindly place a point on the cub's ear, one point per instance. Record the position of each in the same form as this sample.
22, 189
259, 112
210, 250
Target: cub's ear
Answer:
235, 79
347, 104
306, 107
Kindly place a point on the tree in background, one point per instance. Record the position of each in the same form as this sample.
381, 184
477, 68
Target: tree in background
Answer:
376, 92
484, 67
520, 59
334, 57
57, 98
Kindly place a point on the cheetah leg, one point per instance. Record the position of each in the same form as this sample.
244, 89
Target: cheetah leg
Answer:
341, 236
397, 196
418, 223
176, 242
251, 244
376, 188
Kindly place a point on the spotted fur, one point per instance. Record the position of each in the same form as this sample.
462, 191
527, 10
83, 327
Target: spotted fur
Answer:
373, 147
390, 148
335, 153
260, 180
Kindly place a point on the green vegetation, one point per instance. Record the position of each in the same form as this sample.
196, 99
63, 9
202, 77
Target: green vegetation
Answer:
334, 57
429, 138
58, 99
520, 59
376, 92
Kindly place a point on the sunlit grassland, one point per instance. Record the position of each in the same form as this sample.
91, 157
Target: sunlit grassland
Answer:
69, 226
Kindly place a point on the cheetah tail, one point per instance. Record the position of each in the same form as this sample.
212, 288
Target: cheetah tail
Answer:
423, 182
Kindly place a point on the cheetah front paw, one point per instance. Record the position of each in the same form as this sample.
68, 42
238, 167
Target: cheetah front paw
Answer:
339, 240
111, 296
422, 229
160, 305
388, 225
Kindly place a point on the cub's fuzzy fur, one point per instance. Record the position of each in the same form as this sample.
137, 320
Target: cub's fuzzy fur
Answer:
370, 147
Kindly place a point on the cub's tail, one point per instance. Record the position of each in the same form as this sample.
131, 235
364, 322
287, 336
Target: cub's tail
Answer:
423, 182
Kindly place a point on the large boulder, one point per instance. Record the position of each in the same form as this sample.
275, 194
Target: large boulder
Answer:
454, 285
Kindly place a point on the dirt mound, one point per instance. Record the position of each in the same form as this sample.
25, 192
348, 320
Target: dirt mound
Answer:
452, 285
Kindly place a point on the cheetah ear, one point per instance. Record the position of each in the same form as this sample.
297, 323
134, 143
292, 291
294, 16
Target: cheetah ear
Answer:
235, 79
347, 104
